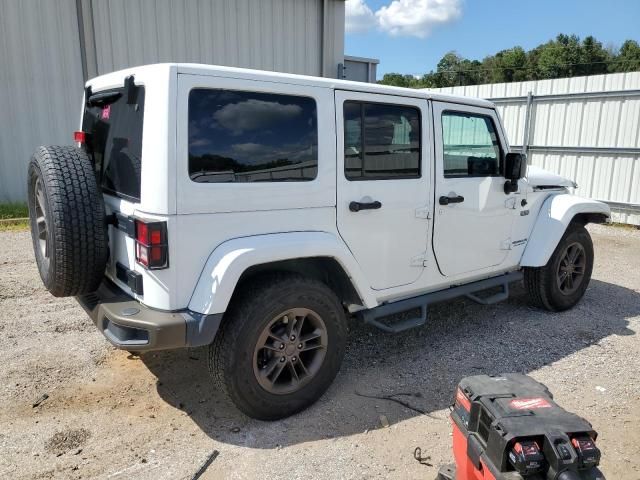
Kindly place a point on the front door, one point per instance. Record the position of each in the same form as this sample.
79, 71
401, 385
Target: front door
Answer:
473, 215
383, 184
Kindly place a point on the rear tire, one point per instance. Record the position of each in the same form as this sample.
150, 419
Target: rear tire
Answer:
254, 343
561, 283
67, 219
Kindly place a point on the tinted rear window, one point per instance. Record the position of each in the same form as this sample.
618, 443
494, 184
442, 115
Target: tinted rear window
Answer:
116, 142
239, 136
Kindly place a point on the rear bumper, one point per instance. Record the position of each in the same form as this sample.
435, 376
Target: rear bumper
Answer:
130, 325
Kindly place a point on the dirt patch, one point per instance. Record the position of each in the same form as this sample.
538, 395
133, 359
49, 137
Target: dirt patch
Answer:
67, 440
159, 415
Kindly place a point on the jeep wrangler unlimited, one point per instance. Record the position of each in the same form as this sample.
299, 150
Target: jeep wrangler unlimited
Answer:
255, 212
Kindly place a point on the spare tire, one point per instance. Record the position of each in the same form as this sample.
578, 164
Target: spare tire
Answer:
67, 219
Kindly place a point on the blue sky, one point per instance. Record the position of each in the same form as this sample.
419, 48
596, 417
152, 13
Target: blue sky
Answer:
410, 36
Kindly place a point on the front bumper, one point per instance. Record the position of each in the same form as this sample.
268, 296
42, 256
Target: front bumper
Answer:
132, 326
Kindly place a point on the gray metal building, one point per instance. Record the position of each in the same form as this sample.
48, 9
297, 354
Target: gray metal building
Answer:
48, 48
359, 69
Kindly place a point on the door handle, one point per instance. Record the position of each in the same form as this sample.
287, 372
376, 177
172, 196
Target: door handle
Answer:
357, 206
447, 200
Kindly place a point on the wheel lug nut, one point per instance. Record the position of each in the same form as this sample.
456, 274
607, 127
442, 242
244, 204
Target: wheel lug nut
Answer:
282, 359
299, 346
294, 359
292, 338
281, 346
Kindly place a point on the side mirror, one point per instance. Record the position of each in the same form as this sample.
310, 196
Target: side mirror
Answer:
514, 169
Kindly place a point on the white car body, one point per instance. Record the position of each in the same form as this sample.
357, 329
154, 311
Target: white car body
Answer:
409, 247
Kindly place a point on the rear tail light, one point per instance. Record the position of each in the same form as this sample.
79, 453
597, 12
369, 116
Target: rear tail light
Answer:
80, 137
152, 249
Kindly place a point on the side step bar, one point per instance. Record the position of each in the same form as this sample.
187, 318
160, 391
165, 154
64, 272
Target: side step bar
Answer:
422, 302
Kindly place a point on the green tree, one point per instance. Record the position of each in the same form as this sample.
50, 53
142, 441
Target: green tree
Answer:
565, 56
560, 58
506, 66
396, 80
628, 58
448, 70
470, 72
453, 70
594, 58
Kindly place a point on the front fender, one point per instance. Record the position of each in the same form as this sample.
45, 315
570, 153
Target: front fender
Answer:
230, 259
555, 215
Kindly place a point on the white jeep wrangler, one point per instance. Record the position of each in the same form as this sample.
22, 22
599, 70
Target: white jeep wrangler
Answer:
258, 212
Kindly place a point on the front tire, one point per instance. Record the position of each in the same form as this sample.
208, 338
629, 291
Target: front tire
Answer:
561, 283
280, 345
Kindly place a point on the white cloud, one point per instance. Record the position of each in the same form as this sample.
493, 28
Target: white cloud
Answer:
402, 17
254, 114
358, 16
250, 148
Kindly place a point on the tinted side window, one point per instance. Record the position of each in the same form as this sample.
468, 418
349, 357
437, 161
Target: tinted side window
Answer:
237, 136
381, 141
470, 144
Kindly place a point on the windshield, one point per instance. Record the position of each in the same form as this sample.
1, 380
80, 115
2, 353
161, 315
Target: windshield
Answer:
115, 140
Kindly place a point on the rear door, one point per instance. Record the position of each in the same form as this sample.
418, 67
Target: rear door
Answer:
383, 186
473, 215
113, 120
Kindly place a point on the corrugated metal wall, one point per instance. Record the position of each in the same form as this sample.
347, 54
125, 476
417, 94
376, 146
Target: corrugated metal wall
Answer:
47, 46
594, 140
280, 35
360, 69
40, 84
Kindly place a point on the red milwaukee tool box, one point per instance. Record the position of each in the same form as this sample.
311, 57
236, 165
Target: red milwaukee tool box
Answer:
509, 428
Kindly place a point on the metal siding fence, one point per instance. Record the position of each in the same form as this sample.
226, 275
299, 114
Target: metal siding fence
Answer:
44, 54
40, 84
584, 128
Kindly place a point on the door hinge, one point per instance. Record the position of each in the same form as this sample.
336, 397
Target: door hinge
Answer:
122, 222
423, 212
511, 203
505, 244
419, 260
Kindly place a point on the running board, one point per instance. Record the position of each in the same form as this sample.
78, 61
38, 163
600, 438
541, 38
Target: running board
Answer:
490, 300
422, 302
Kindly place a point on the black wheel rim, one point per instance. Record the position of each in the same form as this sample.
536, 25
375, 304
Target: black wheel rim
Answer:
41, 220
290, 351
571, 269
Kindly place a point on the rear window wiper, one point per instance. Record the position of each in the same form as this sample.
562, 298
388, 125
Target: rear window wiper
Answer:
103, 98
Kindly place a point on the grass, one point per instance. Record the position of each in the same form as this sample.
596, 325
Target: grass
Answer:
12, 217
13, 210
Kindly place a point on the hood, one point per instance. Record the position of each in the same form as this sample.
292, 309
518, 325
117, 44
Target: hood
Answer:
538, 177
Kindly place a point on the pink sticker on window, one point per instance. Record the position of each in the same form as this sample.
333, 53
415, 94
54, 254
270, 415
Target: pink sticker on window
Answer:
106, 112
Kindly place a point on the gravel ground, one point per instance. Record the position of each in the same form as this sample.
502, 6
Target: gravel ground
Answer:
110, 415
